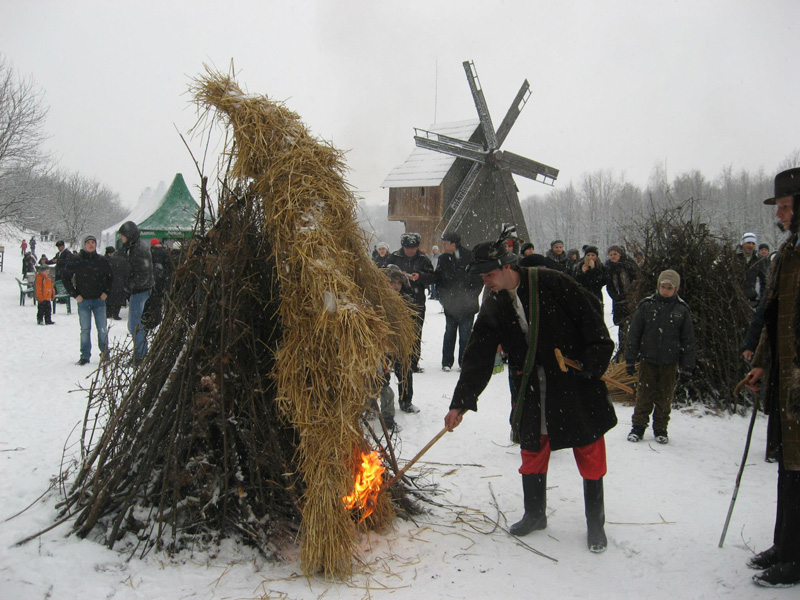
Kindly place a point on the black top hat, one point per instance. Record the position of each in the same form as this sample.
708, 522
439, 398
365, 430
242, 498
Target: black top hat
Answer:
488, 256
787, 183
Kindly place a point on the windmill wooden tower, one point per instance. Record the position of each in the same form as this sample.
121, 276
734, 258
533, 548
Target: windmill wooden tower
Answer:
475, 193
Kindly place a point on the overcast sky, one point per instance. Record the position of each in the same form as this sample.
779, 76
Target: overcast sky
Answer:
616, 84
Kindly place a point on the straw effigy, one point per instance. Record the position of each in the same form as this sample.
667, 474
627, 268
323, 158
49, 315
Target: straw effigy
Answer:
339, 316
246, 416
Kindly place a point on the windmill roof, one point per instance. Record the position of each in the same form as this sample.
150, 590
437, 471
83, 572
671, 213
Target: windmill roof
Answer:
426, 168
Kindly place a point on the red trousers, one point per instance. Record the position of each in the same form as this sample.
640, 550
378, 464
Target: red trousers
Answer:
591, 459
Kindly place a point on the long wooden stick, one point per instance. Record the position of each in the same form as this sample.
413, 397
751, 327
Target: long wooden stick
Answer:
744, 460
419, 454
563, 361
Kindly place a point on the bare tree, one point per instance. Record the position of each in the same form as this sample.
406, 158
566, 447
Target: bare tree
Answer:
82, 205
22, 116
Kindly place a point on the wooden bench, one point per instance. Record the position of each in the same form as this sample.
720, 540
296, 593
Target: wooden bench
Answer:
62, 297
26, 290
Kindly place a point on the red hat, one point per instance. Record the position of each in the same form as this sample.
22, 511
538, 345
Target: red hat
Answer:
154, 242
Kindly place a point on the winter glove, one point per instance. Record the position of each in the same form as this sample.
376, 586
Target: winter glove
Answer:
684, 376
630, 369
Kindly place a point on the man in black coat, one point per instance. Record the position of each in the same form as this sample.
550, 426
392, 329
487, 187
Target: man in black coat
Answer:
532, 312
117, 297
87, 278
458, 292
419, 270
139, 284
60, 259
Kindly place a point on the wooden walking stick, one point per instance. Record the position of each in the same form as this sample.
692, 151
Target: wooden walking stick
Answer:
736, 391
563, 361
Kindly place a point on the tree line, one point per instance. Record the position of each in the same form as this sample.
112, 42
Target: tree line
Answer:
34, 193
601, 207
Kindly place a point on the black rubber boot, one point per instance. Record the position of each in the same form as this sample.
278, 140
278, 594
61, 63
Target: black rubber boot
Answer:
595, 514
534, 489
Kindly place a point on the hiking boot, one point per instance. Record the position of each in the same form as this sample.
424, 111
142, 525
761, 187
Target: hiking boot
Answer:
636, 434
417, 369
780, 575
409, 408
661, 436
764, 560
49, 322
445, 368
82, 361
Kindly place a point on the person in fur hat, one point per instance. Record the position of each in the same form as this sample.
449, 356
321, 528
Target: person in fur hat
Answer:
661, 339
778, 351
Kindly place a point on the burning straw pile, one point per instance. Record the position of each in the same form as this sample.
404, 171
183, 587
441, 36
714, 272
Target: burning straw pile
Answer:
245, 418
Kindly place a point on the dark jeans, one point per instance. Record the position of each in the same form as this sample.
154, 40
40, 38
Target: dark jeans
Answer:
405, 385
419, 320
455, 325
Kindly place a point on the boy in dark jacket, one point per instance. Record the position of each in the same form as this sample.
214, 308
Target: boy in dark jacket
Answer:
661, 336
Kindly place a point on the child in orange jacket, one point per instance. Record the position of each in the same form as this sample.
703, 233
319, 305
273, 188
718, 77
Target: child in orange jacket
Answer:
45, 294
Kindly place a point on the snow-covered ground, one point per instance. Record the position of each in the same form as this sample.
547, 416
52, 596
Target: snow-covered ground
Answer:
665, 505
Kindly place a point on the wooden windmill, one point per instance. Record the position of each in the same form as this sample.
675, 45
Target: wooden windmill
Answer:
486, 196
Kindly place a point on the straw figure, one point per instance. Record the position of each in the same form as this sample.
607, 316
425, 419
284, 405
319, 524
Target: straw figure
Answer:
245, 417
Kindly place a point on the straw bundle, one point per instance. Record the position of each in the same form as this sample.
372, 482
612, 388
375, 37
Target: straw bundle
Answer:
617, 372
339, 315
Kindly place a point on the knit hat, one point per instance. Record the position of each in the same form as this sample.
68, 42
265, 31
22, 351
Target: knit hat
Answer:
525, 247
154, 242
587, 249
671, 277
382, 245
90, 238
763, 246
554, 242
617, 249
110, 249
749, 237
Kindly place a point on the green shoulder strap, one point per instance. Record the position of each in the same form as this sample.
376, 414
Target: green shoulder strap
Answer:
533, 331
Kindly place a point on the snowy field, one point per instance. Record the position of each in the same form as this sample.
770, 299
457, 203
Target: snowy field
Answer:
665, 505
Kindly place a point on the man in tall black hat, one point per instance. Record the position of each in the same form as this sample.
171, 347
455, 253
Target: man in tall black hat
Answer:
778, 350
531, 312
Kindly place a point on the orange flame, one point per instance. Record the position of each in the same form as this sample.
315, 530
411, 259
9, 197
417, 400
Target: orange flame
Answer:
367, 485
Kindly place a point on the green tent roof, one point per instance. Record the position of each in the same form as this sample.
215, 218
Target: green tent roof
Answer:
175, 215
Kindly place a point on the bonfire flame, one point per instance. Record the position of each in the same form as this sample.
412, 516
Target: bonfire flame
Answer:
367, 485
